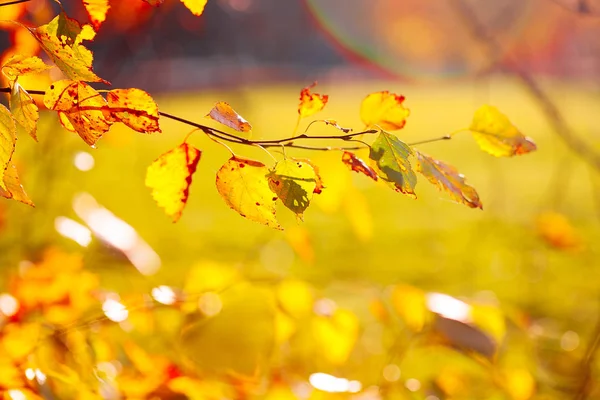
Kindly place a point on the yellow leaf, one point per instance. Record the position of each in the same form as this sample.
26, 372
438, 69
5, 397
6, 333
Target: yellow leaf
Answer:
10, 375
447, 178
311, 103
391, 158
195, 6
520, 384
384, 109
170, 177
294, 182
19, 65
8, 139
496, 135
19, 340
14, 189
135, 108
61, 39
96, 10
84, 108
411, 305
336, 335
490, 320
242, 183
24, 110
295, 298
223, 113
285, 327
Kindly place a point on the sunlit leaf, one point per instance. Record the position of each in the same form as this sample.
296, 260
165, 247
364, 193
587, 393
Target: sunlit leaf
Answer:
318, 180
447, 178
358, 165
84, 108
390, 155
8, 139
489, 319
239, 339
96, 10
10, 374
311, 103
336, 335
24, 110
495, 134
195, 6
170, 177
520, 384
385, 110
13, 188
242, 183
556, 230
20, 64
61, 39
411, 305
294, 182
135, 108
223, 113
19, 340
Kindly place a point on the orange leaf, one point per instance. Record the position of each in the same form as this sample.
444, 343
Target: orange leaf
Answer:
496, 135
96, 10
24, 110
61, 39
195, 6
242, 183
223, 113
358, 165
311, 103
84, 108
170, 177
155, 3
332, 122
14, 189
135, 108
384, 109
558, 232
20, 64
447, 178
8, 139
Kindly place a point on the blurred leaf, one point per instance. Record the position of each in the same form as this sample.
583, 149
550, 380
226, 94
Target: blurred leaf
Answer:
8, 139
136, 108
170, 177
10, 375
336, 335
447, 178
556, 230
19, 64
285, 326
223, 113
84, 108
154, 2
358, 165
519, 383
61, 39
311, 103
391, 158
196, 389
300, 241
96, 10
242, 183
239, 339
491, 320
411, 305
24, 110
495, 134
294, 182
295, 298
19, 340
14, 189
210, 276
195, 6
465, 336
384, 110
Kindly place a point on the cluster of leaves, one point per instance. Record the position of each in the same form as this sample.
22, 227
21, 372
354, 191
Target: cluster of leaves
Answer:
248, 186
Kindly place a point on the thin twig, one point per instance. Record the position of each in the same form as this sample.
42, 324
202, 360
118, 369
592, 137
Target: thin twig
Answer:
10, 3
445, 137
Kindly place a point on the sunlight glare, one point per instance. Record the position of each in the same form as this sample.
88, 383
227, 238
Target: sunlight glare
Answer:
16, 395
73, 230
9, 305
449, 307
332, 384
114, 310
83, 161
210, 304
164, 295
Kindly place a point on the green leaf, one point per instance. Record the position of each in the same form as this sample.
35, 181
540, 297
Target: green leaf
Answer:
390, 155
8, 139
239, 339
294, 182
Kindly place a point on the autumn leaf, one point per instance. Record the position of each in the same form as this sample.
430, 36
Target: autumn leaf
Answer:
24, 110
135, 108
311, 103
336, 335
96, 10
61, 39
358, 165
83, 107
318, 180
242, 183
334, 123
496, 135
8, 139
195, 6
19, 65
223, 113
12, 186
447, 178
155, 3
294, 182
556, 230
170, 177
385, 110
390, 155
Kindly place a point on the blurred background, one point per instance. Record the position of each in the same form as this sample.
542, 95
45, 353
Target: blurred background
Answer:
398, 298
